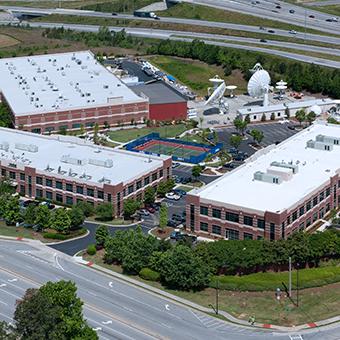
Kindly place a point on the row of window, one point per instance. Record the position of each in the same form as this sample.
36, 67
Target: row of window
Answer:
230, 234
12, 174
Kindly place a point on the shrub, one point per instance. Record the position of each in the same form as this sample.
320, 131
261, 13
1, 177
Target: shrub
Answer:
21, 193
91, 249
263, 119
272, 116
149, 274
64, 237
54, 202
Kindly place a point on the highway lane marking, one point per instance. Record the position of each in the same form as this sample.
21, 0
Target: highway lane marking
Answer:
28, 267
106, 322
130, 310
167, 307
4, 303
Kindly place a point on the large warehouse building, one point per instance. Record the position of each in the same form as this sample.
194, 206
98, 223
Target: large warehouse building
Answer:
279, 190
68, 169
47, 92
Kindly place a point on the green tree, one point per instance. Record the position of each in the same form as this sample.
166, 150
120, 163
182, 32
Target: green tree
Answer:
95, 132
61, 221
43, 218
311, 117
130, 207
3, 204
115, 246
240, 126
201, 121
102, 234
235, 141
105, 210
257, 135
162, 189
272, 116
63, 296
6, 331
13, 210
263, 118
76, 216
62, 130
82, 129
149, 194
180, 269
247, 118
163, 213
287, 113
30, 214
196, 171
300, 115
170, 184
6, 186
215, 137
86, 208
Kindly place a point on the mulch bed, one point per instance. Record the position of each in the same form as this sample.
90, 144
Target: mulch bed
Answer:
163, 233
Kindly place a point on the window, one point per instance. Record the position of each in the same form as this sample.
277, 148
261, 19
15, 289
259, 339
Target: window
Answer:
69, 187
69, 200
130, 189
36, 130
161, 173
302, 226
75, 126
59, 197
39, 180
139, 185
124, 192
231, 217
283, 230
261, 224
288, 220
49, 195
22, 177
146, 180
321, 213
294, 216
302, 210
154, 176
12, 174
216, 229
328, 192
48, 182
22, 188
216, 213
100, 194
39, 193
272, 231
167, 172
294, 230
259, 237
192, 217
247, 235
308, 222
118, 203
89, 124
90, 192
322, 196
204, 210
3, 172
248, 220
59, 185
63, 127
109, 197
231, 234
90, 203
315, 217
328, 207
49, 128
315, 201
80, 190
203, 226
308, 205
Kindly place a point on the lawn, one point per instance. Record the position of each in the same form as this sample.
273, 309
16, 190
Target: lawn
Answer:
19, 232
116, 221
168, 131
194, 139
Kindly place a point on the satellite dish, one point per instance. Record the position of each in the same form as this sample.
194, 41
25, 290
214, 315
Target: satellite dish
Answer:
259, 84
281, 83
231, 88
317, 109
216, 81
217, 94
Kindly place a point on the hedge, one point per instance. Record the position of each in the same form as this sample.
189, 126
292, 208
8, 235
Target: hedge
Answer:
91, 249
149, 274
64, 237
54, 202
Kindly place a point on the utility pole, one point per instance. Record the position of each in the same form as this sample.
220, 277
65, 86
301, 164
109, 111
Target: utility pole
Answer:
216, 296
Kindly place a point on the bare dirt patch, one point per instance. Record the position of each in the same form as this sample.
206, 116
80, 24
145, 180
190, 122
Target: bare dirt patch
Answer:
163, 233
6, 41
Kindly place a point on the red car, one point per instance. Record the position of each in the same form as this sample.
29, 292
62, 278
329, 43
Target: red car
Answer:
150, 209
312, 16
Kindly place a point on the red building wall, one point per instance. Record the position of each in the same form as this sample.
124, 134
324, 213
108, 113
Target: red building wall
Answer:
168, 111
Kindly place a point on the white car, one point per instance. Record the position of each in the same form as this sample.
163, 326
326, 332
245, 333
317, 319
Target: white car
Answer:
292, 32
172, 196
174, 176
143, 212
175, 164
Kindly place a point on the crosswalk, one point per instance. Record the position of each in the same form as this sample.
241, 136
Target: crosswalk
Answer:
295, 337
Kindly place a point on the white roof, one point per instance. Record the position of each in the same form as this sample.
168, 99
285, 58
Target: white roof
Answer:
238, 188
126, 165
59, 81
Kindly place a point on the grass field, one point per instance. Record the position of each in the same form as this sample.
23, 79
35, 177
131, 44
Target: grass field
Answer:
6, 41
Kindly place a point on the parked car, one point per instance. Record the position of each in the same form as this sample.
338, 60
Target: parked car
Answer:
262, 28
228, 165
312, 16
174, 176
180, 192
150, 209
238, 157
232, 150
175, 164
187, 180
174, 234
178, 217
172, 196
172, 224
292, 11
248, 131
271, 31
182, 236
292, 32
278, 6
263, 40
152, 205
143, 212
291, 127
179, 180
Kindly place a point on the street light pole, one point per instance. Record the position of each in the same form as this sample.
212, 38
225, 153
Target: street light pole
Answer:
124, 14
297, 285
305, 20
216, 296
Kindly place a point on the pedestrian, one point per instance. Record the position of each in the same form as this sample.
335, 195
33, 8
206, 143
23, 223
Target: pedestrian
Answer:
253, 320
250, 318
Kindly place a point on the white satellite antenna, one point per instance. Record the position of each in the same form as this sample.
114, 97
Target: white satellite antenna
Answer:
217, 94
231, 88
281, 85
259, 83
216, 81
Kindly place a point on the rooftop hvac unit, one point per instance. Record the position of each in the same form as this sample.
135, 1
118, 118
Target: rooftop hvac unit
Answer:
27, 147
268, 178
328, 139
73, 160
295, 168
4, 146
108, 163
319, 145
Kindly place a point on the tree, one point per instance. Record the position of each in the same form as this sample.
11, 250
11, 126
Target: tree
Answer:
63, 296
102, 234
170, 184
76, 216
130, 207
272, 116
215, 137
311, 117
149, 195
162, 189
30, 214
86, 208
43, 216
115, 246
300, 115
240, 126
247, 118
163, 213
95, 132
82, 129
105, 210
62, 130
61, 221
287, 113
6, 186
263, 118
201, 121
196, 171
235, 141
13, 210
257, 135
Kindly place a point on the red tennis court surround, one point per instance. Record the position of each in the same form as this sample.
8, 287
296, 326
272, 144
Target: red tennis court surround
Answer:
153, 142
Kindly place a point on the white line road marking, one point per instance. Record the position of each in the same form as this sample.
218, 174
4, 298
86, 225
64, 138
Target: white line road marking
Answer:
106, 322
111, 284
130, 310
28, 267
167, 307
93, 294
3, 285
97, 329
12, 280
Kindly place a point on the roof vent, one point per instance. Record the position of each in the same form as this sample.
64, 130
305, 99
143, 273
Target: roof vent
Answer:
108, 163
73, 160
71, 173
48, 168
26, 147
104, 180
4, 146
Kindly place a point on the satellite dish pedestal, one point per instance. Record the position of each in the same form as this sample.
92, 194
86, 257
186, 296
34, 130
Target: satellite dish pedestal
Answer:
216, 81
231, 88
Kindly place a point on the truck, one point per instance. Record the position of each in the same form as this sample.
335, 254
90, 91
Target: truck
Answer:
145, 14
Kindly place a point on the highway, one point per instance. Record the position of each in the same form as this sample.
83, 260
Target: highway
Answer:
116, 309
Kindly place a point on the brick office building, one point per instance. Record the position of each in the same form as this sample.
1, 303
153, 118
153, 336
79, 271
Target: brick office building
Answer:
68, 169
47, 92
279, 190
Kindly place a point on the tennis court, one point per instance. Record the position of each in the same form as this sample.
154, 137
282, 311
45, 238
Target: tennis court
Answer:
174, 149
